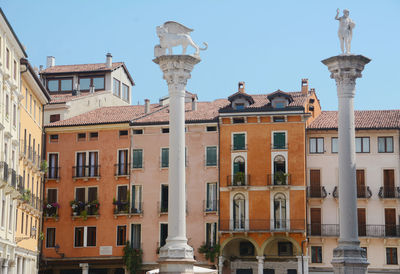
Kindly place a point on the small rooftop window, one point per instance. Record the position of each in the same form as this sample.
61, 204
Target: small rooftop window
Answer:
138, 131
239, 120
165, 130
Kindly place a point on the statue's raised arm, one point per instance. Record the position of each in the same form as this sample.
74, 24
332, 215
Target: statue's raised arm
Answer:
174, 34
345, 32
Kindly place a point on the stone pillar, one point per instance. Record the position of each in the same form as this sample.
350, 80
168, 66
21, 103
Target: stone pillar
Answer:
260, 265
302, 266
5, 267
11, 266
85, 268
19, 265
220, 264
176, 255
348, 257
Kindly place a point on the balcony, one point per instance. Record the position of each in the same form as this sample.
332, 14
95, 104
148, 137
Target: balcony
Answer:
363, 192
263, 225
279, 179
53, 173
122, 169
50, 210
124, 208
389, 192
84, 210
210, 206
162, 207
239, 147
316, 192
238, 180
372, 231
86, 172
279, 146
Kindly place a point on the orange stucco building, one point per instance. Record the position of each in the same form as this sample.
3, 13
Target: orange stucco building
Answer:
263, 180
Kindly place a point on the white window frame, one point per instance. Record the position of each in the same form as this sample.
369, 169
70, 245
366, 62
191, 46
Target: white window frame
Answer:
85, 235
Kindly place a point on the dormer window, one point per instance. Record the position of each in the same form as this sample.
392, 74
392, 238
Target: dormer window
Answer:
87, 81
56, 85
280, 99
239, 106
280, 104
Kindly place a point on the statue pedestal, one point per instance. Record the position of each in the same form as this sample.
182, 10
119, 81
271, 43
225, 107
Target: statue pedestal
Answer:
348, 257
176, 256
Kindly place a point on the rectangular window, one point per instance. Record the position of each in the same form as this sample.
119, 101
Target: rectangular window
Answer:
137, 158
317, 145
121, 235
334, 145
391, 255
81, 136
211, 234
362, 144
7, 58
56, 85
136, 199
123, 166
211, 197
137, 131
211, 156
50, 237
116, 87
94, 136
164, 157
55, 118
136, 235
79, 235
279, 140
122, 194
86, 82
164, 199
15, 70
279, 119
53, 166
125, 92
53, 138
211, 128
123, 133
285, 249
26, 98
316, 254
91, 236
51, 195
7, 106
34, 110
239, 141
165, 130
385, 144
163, 234
14, 115
239, 120
66, 84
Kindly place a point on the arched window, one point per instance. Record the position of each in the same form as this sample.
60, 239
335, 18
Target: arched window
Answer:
238, 212
280, 170
239, 171
280, 220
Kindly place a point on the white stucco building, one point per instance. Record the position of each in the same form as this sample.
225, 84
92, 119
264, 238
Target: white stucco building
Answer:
378, 189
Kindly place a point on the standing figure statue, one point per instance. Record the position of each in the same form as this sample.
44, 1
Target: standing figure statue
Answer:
345, 32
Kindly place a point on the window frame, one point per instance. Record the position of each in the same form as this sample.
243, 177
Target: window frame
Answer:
91, 77
396, 259
385, 144
138, 245
53, 140
121, 242
317, 151
337, 144
361, 138
233, 141
47, 233
273, 139
59, 79
315, 259
209, 164
133, 158
116, 83
162, 164
127, 98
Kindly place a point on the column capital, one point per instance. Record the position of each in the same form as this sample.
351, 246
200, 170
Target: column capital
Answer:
176, 70
84, 266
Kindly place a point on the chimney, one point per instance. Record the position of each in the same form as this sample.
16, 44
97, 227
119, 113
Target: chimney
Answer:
194, 103
146, 105
51, 61
108, 60
304, 86
241, 87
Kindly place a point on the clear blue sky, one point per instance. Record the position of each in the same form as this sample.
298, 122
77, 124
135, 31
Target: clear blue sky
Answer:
267, 44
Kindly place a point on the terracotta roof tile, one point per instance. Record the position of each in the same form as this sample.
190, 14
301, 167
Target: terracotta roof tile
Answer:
80, 68
363, 119
62, 98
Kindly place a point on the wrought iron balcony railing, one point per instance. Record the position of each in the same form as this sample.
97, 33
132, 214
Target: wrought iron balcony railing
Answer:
53, 173
364, 192
90, 171
122, 169
124, 207
162, 207
238, 180
279, 146
265, 225
279, 179
389, 192
239, 147
364, 230
316, 192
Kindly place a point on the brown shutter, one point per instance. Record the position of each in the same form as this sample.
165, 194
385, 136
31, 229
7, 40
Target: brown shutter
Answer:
361, 222
388, 183
315, 221
390, 222
80, 194
315, 183
92, 194
51, 196
360, 183
122, 193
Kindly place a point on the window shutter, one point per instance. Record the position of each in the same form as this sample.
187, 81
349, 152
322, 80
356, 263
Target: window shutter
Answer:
165, 157
211, 156
279, 140
137, 158
208, 238
238, 141
92, 195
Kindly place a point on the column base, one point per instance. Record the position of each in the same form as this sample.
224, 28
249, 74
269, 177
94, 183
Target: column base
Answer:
349, 260
176, 250
183, 266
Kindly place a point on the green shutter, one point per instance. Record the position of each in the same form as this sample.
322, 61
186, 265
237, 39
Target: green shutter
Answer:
239, 141
165, 157
211, 156
137, 158
279, 140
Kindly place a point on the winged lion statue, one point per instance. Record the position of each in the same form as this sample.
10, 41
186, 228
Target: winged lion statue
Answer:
173, 34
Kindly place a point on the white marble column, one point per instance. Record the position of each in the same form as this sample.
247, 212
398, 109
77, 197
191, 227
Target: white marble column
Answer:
176, 255
260, 265
5, 266
85, 268
220, 264
19, 265
348, 257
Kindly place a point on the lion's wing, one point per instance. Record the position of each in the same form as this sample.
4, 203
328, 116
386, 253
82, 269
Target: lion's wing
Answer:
176, 28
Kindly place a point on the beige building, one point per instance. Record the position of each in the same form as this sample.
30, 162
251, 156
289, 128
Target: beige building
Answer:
76, 89
11, 51
31, 170
378, 189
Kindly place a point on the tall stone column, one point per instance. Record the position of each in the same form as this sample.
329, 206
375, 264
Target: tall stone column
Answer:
260, 264
5, 266
348, 257
85, 268
20, 265
176, 255
220, 264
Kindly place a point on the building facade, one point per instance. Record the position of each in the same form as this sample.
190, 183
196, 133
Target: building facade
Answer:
11, 51
262, 180
377, 160
31, 167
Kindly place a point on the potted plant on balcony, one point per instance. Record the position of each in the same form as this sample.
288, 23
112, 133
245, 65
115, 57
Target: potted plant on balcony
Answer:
50, 209
77, 207
239, 179
280, 178
93, 207
120, 206
26, 196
